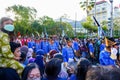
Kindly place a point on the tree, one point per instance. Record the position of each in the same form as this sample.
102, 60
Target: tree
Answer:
87, 5
35, 25
89, 25
22, 12
116, 27
52, 27
23, 18
48, 25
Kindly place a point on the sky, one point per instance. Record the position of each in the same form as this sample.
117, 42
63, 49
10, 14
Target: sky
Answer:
52, 8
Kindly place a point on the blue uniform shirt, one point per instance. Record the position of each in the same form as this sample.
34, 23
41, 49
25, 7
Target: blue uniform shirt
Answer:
91, 48
37, 46
53, 47
45, 46
67, 53
75, 45
102, 47
105, 58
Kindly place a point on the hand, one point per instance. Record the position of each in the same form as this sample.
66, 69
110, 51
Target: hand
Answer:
65, 64
92, 55
71, 69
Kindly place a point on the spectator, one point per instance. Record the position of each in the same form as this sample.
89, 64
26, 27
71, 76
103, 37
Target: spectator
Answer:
105, 58
39, 60
52, 69
82, 69
24, 51
8, 74
15, 48
31, 72
6, 56
68, 53
63, 73
95, 73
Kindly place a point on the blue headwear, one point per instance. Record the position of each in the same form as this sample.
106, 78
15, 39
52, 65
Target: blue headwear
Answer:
40, 52
39, 60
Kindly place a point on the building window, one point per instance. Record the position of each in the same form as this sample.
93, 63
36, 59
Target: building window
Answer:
104, 17
98, 10
103, 8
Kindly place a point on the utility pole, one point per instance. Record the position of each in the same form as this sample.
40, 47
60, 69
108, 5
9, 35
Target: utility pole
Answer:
75, 23
95, 9
111, 27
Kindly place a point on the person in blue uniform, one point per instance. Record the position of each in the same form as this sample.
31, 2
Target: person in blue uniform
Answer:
37, 45
68, 52
105, 55
31, 44
76, 47
45, 45
52, 45
102, 46
91, 48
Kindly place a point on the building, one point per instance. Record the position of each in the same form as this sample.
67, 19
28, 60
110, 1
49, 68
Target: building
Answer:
103, 12
116, 12
103, 9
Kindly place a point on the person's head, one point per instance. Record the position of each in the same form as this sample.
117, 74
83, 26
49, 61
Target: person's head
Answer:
5, 20
112, 74
8, 74
91, 41
52, 53
6, 24
51, 41
103, 73
59, 56
53, 68
24, 49
109, 43
22, 56
103, 41
116, 46
30, 53
40, 52
15, 48
31, 72
69, 41
82, 68
95, 73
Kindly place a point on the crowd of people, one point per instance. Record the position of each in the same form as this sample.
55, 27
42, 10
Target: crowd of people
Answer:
56, 58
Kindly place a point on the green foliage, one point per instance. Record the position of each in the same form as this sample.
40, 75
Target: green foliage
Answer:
87, 5
23, 18
89, 25
104, 25
22, 12
26, 24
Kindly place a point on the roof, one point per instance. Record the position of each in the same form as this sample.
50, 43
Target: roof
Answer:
100, 2
117, 6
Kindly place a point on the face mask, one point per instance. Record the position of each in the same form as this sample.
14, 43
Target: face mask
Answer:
34, 78
9, 27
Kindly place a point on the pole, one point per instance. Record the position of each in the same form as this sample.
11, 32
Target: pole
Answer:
75, 23
95, 9
111, 29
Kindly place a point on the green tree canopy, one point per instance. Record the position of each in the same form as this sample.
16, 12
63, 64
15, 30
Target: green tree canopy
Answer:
89, 25
87, 5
